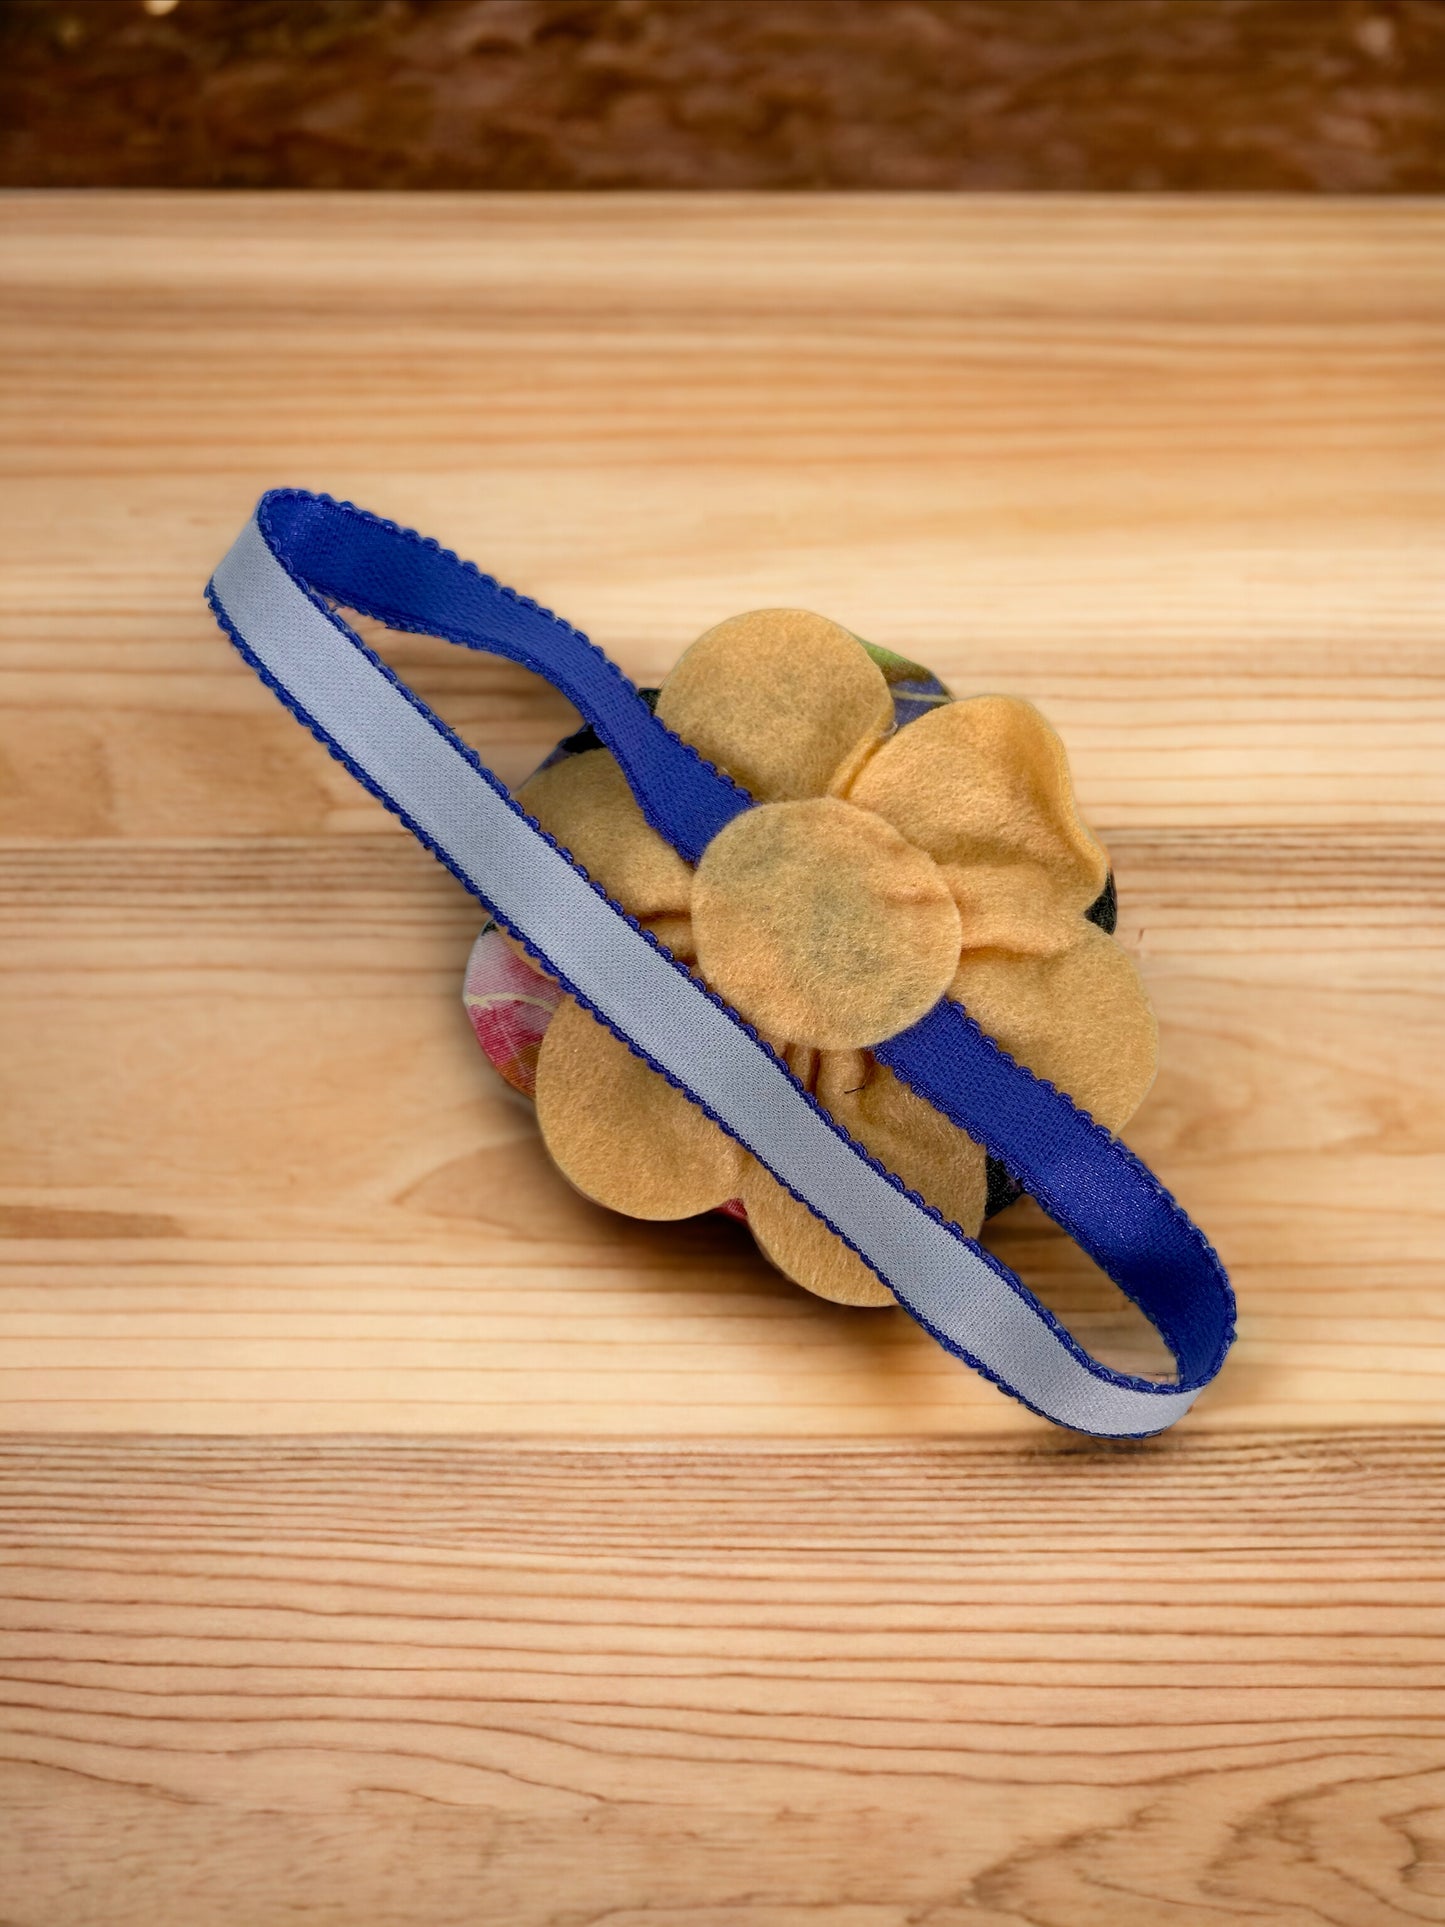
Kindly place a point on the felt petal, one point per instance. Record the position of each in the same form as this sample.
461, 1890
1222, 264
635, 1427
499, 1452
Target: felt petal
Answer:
904, 1132
676, 934
622, 1134
803, 1248
821, 924
786, 702
585, 803
1017, 907
983, 786
1079, 1018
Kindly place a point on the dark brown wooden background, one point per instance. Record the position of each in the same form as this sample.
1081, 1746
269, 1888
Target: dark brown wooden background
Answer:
1334, 96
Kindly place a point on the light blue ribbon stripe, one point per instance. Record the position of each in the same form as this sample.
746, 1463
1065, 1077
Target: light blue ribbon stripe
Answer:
413, 763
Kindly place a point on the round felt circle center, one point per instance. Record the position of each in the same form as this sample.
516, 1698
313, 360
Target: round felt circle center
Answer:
822, 925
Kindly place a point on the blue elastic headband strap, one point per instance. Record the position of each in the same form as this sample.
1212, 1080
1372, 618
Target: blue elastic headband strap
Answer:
408, 582
272, 594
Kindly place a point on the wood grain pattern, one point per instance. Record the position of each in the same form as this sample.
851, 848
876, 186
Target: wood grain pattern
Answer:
949, 1683
1176, 475
708, 1602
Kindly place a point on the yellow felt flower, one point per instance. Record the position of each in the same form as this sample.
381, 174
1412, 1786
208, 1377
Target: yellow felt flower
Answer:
880, 870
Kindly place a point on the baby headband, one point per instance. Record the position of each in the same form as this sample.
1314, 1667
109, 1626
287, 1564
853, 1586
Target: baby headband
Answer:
275, 595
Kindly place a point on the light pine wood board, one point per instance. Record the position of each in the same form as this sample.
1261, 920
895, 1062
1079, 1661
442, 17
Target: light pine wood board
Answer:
1176, 472
974, 1683
719, 1605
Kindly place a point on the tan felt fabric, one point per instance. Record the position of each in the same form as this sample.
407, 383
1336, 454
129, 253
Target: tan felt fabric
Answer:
822, 924
986, 781
1079, 1019
622, 1134
786, 702
932, 1157
804, 1249
916, 1142
802, 1060
585, 803
1012, 906
676, 933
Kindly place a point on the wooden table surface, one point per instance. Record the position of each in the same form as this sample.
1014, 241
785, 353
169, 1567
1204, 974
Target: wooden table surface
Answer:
388, 1536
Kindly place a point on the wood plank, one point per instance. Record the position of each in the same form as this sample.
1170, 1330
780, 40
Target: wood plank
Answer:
1173, 476
1174, 473
418, 1259
1068, 1684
